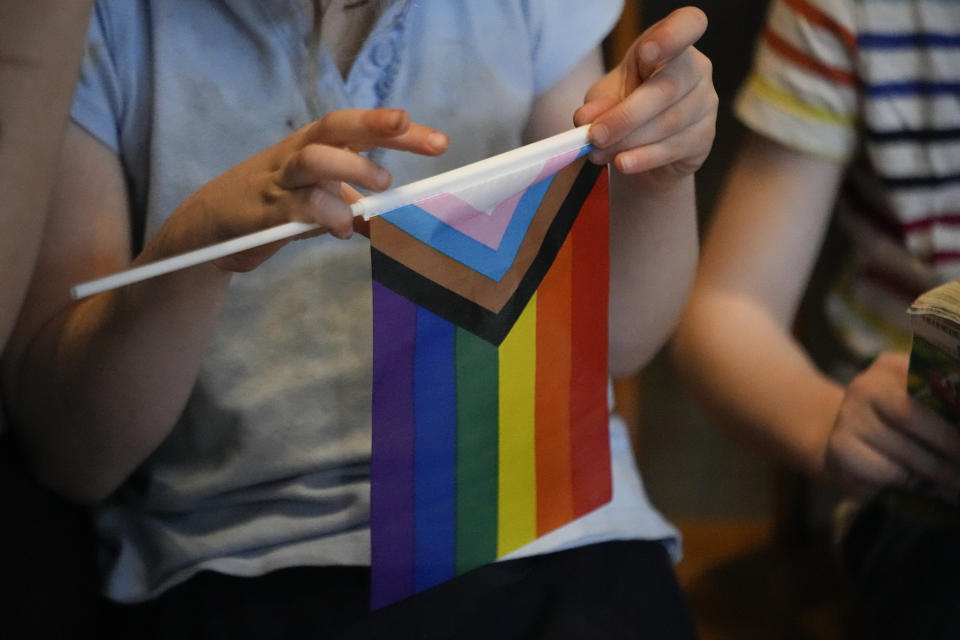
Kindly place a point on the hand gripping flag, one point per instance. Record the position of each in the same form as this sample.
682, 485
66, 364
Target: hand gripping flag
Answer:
490, 367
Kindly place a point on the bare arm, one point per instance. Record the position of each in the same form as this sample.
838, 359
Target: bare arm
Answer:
41, 42
734, 346
95, 386
657, 120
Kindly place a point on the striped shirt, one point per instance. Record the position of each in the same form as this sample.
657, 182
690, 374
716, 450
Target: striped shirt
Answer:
873, 84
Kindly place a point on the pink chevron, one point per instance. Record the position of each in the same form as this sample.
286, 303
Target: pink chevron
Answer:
470, 221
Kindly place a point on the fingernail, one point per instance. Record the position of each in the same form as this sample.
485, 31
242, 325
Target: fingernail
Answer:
626, 164
599, 134
649, 52
437, 141
576, 120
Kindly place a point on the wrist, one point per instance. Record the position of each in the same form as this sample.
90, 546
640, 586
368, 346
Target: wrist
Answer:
657, 183
814, 455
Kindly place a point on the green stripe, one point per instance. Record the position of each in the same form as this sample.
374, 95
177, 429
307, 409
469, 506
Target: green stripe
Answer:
477, 409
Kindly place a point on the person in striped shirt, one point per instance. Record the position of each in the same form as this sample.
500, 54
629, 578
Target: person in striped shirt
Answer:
854, 112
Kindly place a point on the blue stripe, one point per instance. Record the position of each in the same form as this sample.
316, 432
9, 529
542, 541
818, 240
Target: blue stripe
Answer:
919, 182
911, 88
435, 451
493, 263
913, 135
906, 40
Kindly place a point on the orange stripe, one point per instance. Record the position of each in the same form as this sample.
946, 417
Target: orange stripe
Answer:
786, 50
554, 480
820, 19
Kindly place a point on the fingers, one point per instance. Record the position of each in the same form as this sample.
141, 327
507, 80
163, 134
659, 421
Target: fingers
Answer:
317, 164
674, 98
318, 160
685, 151
315, 177
329, 211
682, 132
892, 441
884, 437
671, 36
860, 469
340, 128
364, 129
929, 429
915, 420
660, 96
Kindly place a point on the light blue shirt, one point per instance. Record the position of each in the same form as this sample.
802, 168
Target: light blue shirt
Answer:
269, 465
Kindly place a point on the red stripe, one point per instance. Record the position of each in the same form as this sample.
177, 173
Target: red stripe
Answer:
893, 283
941, 257
801, 59
817, 17
941, 219
883, 217
554, 477
590, 452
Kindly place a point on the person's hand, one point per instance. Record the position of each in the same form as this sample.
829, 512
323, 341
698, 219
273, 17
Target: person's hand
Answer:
306, 177
655, 113
882, 437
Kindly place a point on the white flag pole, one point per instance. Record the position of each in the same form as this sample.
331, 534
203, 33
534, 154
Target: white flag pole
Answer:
368, 207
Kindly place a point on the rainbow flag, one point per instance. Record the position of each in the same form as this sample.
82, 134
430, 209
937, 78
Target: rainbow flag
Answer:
490, 371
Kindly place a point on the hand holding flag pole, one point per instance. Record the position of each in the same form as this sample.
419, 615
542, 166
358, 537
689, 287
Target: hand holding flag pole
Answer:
499, 167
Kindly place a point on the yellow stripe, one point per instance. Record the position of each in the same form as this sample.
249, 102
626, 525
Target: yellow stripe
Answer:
517, 505
790, 103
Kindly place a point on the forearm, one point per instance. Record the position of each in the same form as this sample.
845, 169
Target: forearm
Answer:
103, 383
757, 381
41, 45
653, 256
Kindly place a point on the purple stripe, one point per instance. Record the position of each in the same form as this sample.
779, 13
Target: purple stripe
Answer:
391, 465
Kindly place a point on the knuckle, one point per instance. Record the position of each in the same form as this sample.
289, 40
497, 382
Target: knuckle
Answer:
618, 121
328, 119
668, 87
707, 131
672, 121
306, 158
713, 102
884, 358
703, 63
857, 387
299, 160
315, 130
